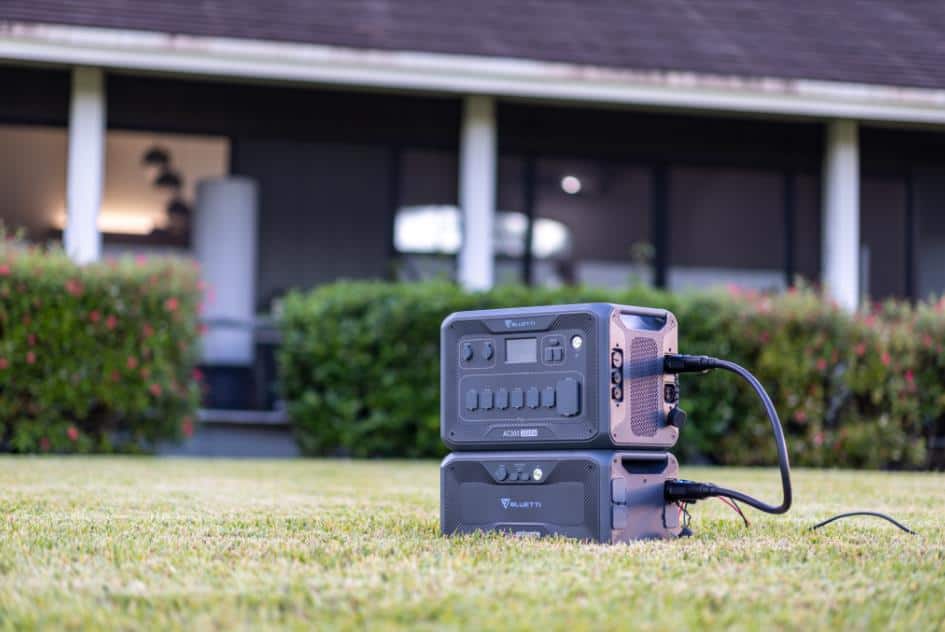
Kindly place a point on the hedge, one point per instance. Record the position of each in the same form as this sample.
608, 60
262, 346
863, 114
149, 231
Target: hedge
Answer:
359, 369
97, 358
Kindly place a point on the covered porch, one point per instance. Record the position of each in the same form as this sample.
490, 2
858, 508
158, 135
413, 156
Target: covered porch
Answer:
413, 184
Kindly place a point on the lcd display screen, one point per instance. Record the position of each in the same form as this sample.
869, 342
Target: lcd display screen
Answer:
521, 350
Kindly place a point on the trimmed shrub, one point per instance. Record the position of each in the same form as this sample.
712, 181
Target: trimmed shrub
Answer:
360, 370
97, 358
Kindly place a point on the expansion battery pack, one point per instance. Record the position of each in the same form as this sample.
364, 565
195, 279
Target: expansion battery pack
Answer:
597, 495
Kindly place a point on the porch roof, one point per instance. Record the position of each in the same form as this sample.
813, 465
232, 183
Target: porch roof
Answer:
850, 41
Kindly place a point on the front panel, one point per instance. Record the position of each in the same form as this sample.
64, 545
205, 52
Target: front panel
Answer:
595, 495
524, 493
522, 377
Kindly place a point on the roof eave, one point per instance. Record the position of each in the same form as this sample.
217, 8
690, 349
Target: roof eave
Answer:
463, 74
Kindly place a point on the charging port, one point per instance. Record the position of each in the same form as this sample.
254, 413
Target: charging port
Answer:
670, 393
616, 358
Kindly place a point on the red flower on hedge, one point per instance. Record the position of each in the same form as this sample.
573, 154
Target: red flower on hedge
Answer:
74, 287
30, 357
197, 374
4, 363
44, 444
94, 316
171, 304
111, 322
155, 389
4, 269
73, 433
31, 340
821, 364
115, 376
147, 330
885, 358
910, 377
187, 426
800, 416
132, 362
860, 349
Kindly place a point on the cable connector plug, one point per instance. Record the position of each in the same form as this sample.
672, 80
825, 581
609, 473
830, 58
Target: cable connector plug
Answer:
678, 363
681, 490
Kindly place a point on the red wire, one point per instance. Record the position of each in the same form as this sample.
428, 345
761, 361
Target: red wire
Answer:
734, 507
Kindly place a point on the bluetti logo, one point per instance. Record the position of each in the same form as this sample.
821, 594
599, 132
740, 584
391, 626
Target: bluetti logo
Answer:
520, 324
508, 503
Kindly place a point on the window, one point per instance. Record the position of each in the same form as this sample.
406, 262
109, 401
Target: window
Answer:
591, 222
604, 209
427, 228
150, 188
930, 231
883, 236
726, 226
33, 180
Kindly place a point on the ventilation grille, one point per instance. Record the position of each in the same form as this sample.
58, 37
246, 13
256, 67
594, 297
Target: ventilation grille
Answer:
644, 387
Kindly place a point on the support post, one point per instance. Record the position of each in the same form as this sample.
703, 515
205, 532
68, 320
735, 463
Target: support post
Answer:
86, 165
477, 192
841, 214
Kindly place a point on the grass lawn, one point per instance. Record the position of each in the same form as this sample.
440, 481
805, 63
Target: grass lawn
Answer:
200, 543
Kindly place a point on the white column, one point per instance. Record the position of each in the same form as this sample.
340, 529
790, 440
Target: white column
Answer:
840, 243
477, 174
224, 235
86, 166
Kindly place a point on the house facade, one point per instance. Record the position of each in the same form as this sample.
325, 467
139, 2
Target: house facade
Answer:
679, 144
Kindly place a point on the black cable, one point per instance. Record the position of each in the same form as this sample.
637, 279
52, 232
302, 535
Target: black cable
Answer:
690, 491
683, 490
875, 514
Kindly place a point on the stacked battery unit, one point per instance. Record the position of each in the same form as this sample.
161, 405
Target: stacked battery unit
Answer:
560, 419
